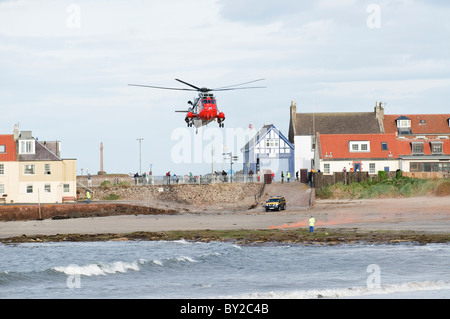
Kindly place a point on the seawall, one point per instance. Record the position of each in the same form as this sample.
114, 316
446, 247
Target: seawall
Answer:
75, 210
242, 195
191, 194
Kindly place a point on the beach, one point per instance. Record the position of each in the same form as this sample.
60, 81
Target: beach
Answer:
423, 214
231, 252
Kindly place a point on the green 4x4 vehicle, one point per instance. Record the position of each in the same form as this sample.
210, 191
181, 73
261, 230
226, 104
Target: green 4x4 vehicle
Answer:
276, 202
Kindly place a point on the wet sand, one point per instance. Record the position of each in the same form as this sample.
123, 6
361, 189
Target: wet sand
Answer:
425, 214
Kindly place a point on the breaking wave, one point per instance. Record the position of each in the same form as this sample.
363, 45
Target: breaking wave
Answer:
352, 292
98, 269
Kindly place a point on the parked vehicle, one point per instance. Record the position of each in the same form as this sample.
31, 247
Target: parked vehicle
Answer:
276, 203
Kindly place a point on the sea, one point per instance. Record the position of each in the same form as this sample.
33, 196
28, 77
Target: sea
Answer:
222, 270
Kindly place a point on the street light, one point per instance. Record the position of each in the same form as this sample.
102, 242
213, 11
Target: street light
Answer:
232, 159
140, 139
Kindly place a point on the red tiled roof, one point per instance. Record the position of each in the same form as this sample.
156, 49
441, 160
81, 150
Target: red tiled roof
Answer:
434, 123
337, 145
10, 153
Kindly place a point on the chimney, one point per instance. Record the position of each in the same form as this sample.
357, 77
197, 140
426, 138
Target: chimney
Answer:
292, 121
379, 110
16, 132
379, 115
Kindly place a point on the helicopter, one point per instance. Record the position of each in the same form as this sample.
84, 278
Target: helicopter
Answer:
204, 108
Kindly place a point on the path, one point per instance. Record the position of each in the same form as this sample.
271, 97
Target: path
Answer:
297, 194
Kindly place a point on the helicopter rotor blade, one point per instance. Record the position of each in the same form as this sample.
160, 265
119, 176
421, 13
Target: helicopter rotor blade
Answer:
231, 89
230, 86
161, 87
188, 84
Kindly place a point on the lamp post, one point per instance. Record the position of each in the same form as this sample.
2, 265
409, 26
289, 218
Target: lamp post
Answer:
140, 139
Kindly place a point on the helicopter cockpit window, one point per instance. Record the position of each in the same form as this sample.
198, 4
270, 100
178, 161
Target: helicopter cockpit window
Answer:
205, 101
213, 101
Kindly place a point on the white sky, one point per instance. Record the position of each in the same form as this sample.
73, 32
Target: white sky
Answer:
65, 68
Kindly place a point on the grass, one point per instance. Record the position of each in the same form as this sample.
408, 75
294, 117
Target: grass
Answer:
386, 188
112, 197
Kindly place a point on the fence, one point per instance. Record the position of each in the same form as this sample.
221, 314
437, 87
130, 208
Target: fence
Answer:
97, 180
320, 180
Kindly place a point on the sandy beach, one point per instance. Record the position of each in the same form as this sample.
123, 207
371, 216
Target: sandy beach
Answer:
425, 214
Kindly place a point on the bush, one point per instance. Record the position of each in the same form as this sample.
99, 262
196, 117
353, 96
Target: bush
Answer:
105, 184
324, 192
382, 176
443, 188
397, 187
124, 184
112, 197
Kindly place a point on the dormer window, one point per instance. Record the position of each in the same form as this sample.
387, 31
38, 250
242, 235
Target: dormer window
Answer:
26, 147
359, 146
417, 148
436, 147
403, 125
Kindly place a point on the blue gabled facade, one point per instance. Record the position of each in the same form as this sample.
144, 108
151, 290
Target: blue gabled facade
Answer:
269, 151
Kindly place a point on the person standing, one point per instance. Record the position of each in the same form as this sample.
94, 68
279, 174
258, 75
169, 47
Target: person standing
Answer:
282, 177
288, 176
311, 223
88, 196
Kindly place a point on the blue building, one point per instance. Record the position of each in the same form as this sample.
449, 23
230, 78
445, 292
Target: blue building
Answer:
269, 151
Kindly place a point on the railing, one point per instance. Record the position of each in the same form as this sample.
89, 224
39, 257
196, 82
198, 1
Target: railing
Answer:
97, 180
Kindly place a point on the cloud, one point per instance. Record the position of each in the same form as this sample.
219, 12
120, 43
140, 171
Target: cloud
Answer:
65, 68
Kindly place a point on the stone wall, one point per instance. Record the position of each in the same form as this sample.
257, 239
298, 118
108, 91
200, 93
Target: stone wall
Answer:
62, 211
242, 193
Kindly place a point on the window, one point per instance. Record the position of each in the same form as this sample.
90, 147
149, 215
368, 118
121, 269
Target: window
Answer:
272, 143
429, 167
372, 168
384, 146
47, 188
436, 148
404, 123
417, 148
2, 169
2, 188
359, 146
29, 169
326, 168
26, 147
2, 149
29, 189
47, 169
66, 188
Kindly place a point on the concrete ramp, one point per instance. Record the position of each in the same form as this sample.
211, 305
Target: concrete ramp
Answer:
298, 195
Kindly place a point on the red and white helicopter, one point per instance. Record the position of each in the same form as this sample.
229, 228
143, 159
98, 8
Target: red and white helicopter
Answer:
204, 108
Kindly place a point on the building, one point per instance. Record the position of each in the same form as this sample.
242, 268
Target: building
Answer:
304, 126
9, 169
34, 172
381, 152
415, 142
269, 151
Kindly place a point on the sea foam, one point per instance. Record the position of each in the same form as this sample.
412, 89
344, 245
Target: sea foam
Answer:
352, 292
100, 269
